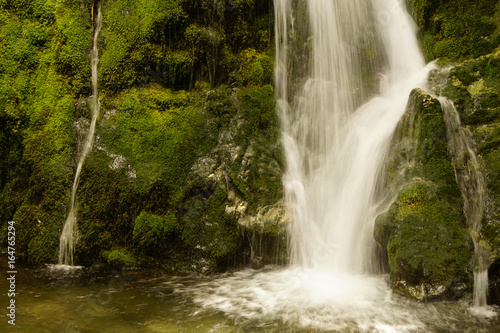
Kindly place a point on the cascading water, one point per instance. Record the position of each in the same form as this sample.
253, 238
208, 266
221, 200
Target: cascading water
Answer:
338, 115
336, 148
69, 234
470, 179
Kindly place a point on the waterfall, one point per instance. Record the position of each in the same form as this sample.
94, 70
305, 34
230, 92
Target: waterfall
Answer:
470, 179
337, 127
343, 73
69, 234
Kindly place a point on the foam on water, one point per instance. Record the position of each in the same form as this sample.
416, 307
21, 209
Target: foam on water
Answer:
296, 299
307, 298
63, 267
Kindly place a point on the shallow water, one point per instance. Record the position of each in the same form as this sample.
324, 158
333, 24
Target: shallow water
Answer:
270, 300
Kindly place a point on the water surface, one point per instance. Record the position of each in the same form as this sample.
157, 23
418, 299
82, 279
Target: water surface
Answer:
270, 300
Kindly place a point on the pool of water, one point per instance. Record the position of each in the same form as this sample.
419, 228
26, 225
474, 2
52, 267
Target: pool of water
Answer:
270, 300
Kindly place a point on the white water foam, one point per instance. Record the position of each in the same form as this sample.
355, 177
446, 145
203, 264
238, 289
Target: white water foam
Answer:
307, 298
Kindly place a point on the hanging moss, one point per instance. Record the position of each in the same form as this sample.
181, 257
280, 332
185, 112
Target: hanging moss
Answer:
255, 69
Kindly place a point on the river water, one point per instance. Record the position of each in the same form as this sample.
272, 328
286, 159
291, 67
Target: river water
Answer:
270, 300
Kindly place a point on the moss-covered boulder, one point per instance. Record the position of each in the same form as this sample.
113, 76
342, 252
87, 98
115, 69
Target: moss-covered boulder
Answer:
464, 37
423, 231
474, 87
118, 259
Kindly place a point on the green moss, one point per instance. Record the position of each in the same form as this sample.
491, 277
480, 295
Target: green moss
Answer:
428, 246
107, 205
177, 67
150, 230
220, 105
207, 228
74, 40
456, 30
256, 69
119, 259
431, 149
411, 201
426, 226
37, 233
161, 134
492, 159
256, 172
258, 107
176, 42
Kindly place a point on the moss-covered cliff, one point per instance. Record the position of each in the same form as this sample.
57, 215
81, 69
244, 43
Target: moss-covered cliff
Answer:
186, 150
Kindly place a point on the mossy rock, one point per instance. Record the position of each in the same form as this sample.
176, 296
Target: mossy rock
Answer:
256, 68
423, 130
150, 230
429, 252
423, 231
208, 230
118, 259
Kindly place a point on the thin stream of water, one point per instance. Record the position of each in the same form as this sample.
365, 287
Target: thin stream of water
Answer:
69, 234
470, 178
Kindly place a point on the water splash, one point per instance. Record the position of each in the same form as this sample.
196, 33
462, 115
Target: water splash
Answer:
312, 299
69, 235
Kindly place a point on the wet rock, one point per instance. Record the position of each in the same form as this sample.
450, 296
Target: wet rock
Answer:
423, 231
